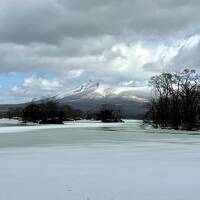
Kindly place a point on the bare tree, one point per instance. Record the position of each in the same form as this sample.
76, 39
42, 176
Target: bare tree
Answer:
176, 100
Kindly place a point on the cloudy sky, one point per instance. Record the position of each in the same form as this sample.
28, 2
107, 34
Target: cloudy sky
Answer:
48, 46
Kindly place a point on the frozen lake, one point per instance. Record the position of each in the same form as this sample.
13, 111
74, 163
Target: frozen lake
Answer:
95, 161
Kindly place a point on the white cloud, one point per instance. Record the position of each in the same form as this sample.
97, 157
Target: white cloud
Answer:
36, 87
75, 73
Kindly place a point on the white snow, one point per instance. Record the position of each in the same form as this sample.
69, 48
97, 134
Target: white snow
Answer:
9, 121
87, 87
35, 127
90, 85
148, 166
94, 90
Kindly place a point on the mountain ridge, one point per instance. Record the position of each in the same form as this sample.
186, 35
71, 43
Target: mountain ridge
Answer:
94, 90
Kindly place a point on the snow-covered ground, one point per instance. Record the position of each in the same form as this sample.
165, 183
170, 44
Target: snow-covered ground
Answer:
14, 126
123, 162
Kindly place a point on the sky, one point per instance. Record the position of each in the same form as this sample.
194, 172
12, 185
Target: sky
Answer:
49, 46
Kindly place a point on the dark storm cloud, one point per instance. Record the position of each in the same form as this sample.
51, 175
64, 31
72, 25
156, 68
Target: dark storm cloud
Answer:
51, 21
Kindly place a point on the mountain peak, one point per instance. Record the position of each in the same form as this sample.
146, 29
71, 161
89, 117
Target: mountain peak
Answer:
89, 85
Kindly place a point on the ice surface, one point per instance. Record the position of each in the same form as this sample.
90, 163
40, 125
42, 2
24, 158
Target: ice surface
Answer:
125, 162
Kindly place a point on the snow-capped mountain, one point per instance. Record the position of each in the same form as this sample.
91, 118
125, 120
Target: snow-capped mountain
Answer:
91, 96
94, 91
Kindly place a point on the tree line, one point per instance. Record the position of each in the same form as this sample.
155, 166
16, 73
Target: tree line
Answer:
176, 100
51, 112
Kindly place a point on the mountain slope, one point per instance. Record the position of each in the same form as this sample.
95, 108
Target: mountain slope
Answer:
91, 96
94, 91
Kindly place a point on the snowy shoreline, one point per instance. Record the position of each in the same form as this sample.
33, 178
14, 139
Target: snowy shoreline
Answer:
15, 126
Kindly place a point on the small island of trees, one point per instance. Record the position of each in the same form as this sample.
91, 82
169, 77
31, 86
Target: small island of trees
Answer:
176, 100
108, 114
49, 113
